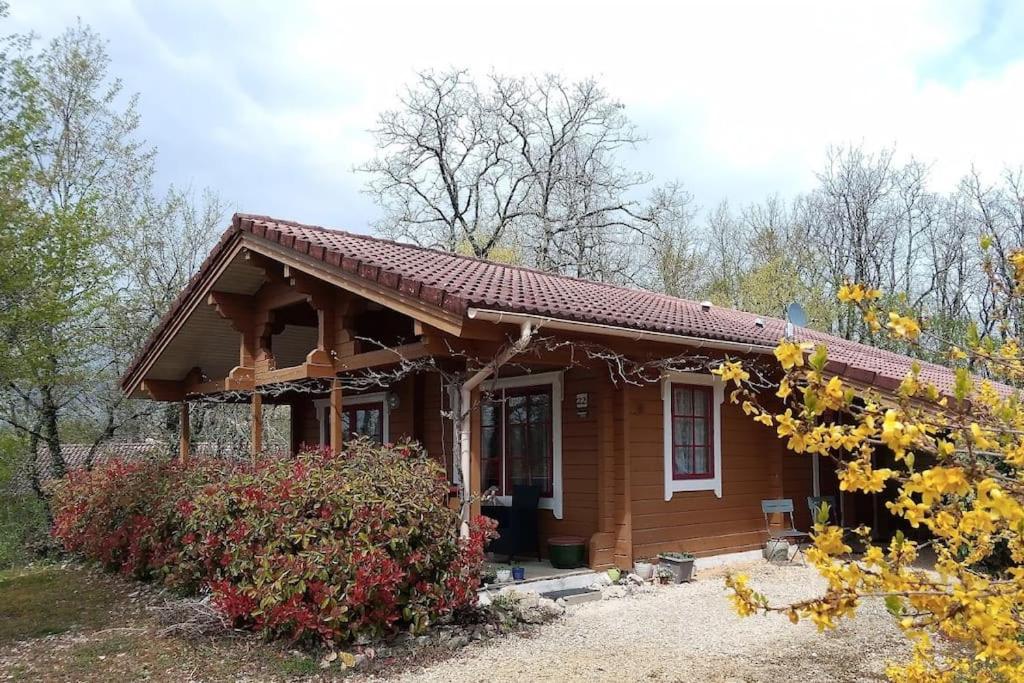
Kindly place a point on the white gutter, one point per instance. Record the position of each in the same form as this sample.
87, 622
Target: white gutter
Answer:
614, 331
526, 329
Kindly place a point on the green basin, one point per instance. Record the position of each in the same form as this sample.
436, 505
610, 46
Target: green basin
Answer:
567, 552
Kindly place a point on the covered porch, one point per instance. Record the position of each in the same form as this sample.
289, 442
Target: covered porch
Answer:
264, 328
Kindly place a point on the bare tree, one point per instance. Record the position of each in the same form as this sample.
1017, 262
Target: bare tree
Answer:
527, 168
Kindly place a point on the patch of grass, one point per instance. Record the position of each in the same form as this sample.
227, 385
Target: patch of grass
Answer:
22, 524
86, 657
296, 666
47, 600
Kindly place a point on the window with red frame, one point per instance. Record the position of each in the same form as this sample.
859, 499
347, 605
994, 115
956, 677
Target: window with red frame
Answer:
692, 432
362, 419
516, 440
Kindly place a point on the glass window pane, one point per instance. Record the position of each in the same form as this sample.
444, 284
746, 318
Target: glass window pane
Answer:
491, 471
683, 399
700, 460
515, 409
517, 473
682, 460
372, 423
515, 444
540, 408
490, 413
700, 402
490, 445
539, 444
682, 431
700, 432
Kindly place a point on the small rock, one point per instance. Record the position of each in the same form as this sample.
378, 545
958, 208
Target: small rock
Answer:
615, 592
327, 659
484, 598
423, 640
459, 641
360, 660
636, 579
529, 600
550, 607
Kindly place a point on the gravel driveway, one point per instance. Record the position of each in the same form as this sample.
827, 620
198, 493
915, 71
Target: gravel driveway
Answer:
686, 633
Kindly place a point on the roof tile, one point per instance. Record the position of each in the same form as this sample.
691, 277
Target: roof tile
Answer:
456, 282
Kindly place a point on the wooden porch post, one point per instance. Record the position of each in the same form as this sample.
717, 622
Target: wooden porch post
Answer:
602, 542
474, 453
623, 481
184, 433
256, 444
337, 435
776, 467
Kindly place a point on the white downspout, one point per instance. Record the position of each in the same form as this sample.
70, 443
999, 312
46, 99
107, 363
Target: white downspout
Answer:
526, 330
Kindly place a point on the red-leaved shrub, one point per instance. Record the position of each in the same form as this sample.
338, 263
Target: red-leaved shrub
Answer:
317, 547
335, 547
127, 515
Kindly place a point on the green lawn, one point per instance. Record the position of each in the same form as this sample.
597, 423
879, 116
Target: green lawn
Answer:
73, 623
44, 601
78, 624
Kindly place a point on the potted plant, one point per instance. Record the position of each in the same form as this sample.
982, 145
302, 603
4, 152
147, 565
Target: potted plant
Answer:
680, 564
665, 574
644, 569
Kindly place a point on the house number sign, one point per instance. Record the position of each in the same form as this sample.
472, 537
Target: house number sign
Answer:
582, 404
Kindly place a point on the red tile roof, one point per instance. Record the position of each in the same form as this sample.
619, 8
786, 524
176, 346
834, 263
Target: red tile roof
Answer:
455, 283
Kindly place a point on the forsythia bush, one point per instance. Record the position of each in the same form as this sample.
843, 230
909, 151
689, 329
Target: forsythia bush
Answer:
958, 473
316, 547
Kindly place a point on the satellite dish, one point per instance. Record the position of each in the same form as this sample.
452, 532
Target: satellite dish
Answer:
795, 316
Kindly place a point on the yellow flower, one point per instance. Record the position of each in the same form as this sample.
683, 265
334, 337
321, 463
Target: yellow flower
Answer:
835, 392
871, 318
791, 355
784, 389
859, 476
1017, 260
732, 370
855, 293
903, 327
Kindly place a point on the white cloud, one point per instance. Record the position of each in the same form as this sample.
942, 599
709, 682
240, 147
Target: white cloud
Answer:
270, 102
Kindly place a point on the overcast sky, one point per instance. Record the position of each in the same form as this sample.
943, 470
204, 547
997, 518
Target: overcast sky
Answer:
269, 103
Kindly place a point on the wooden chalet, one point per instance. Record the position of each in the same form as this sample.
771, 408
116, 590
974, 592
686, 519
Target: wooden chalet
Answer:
287, 313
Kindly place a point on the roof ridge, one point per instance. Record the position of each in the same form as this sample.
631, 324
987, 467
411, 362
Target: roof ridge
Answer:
478, 259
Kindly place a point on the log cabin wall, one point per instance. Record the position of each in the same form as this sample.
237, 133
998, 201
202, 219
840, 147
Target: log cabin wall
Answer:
579, 462
798, 484
624, 425
699, 521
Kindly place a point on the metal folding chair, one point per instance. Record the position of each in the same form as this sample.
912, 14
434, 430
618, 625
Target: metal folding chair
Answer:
782, 506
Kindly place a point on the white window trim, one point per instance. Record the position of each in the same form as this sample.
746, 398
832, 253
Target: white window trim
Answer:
378, 397
673, 486
556, 381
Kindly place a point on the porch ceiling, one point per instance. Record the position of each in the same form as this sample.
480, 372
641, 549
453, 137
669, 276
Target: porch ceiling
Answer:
208, 341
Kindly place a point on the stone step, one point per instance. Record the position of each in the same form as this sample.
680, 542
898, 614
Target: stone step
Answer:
574, 596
